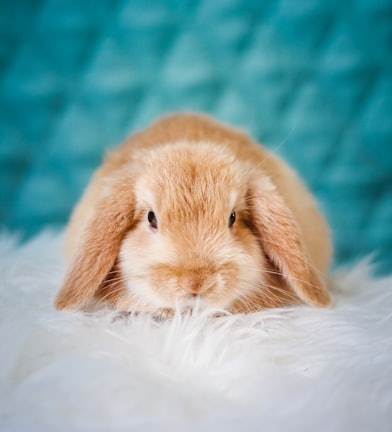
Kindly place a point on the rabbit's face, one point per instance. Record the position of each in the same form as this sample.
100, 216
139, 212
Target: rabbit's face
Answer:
192, 240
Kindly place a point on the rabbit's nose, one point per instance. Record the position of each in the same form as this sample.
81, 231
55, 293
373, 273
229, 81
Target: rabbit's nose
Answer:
195, 287
196, 283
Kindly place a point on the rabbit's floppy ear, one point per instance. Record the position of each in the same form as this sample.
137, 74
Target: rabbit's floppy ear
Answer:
280, 237
99, 246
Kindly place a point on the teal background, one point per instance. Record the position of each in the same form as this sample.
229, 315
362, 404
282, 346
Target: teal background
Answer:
311, 79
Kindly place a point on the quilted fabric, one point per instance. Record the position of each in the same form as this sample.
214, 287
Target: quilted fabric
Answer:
312, 79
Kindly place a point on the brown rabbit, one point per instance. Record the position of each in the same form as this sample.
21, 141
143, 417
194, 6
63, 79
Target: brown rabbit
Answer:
192, 211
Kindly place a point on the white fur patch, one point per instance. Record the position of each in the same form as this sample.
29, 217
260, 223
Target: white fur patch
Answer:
135, 268
297, 369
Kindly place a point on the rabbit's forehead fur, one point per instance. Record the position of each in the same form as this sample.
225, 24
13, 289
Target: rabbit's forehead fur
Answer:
187, 182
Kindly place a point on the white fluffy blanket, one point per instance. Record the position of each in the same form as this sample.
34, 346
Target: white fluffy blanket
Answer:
297, 369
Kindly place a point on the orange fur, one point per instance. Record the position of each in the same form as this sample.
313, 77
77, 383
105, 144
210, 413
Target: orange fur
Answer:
193, 172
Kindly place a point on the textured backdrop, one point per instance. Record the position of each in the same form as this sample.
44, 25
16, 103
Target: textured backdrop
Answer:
311, 79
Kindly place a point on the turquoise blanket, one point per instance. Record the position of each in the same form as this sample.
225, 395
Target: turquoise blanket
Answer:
312, 79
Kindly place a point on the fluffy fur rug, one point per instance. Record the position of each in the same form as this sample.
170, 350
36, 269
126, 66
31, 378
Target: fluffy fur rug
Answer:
297, 369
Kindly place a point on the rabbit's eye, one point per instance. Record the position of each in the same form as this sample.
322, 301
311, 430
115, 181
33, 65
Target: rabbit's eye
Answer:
152, 220
232, 218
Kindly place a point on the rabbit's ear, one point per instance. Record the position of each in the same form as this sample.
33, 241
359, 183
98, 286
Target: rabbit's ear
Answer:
98, 248
280, 237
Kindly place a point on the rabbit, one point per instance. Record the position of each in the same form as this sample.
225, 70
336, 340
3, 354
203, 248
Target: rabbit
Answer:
191, 211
